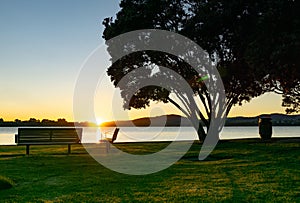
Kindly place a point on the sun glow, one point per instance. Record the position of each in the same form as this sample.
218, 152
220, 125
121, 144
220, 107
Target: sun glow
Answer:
99, 121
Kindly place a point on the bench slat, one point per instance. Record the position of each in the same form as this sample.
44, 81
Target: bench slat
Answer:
28, 134
46, 143
50, 140
34, 139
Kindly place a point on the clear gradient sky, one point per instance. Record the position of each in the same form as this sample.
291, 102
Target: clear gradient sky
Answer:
43, 44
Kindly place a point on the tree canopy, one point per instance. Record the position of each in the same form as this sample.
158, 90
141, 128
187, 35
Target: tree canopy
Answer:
254, 43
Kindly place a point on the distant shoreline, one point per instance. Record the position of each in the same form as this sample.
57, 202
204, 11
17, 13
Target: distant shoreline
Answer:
159, 121
28, 124
176, 120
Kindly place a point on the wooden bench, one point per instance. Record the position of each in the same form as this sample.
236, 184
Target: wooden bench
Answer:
114, 137
48, 136
111, 140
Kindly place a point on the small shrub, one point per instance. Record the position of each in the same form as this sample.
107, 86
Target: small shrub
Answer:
5, 183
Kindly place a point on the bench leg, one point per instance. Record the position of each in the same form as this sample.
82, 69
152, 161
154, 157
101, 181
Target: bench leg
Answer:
27, 149
107, 146
69, 148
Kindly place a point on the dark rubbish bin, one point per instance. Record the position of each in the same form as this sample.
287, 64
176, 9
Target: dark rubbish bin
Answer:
265, 127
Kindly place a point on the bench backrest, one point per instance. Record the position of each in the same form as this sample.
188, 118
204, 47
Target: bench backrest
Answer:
49, 135
114, 137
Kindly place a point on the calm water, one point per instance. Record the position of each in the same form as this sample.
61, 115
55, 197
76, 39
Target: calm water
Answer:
128, 134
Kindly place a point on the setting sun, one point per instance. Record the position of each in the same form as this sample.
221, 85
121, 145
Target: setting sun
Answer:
99, 121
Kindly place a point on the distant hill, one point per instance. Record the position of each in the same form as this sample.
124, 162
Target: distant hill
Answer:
176, 120
277, 120
168, 120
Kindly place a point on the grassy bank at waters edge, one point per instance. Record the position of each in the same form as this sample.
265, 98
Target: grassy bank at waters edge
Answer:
238, 171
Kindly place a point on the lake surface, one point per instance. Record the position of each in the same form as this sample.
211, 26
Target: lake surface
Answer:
142, 134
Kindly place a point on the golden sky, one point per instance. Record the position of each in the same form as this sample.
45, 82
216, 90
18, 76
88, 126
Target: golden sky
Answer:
54, 103
41, 60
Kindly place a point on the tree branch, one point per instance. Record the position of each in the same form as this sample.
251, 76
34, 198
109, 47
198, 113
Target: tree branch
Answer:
179, 107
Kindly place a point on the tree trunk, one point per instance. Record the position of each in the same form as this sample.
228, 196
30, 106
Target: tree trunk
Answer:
201, 133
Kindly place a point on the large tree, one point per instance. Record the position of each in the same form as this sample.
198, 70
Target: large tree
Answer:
252, 42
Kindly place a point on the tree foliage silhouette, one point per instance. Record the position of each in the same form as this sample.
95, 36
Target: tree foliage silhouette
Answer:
254, 43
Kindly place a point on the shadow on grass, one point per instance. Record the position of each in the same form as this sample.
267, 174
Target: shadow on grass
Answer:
50, 154
209, 158
5, 183
11, 155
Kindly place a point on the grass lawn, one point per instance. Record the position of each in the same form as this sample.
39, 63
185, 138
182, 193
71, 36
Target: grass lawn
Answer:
236, 171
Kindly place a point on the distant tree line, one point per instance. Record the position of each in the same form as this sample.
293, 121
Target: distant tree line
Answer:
44, 122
